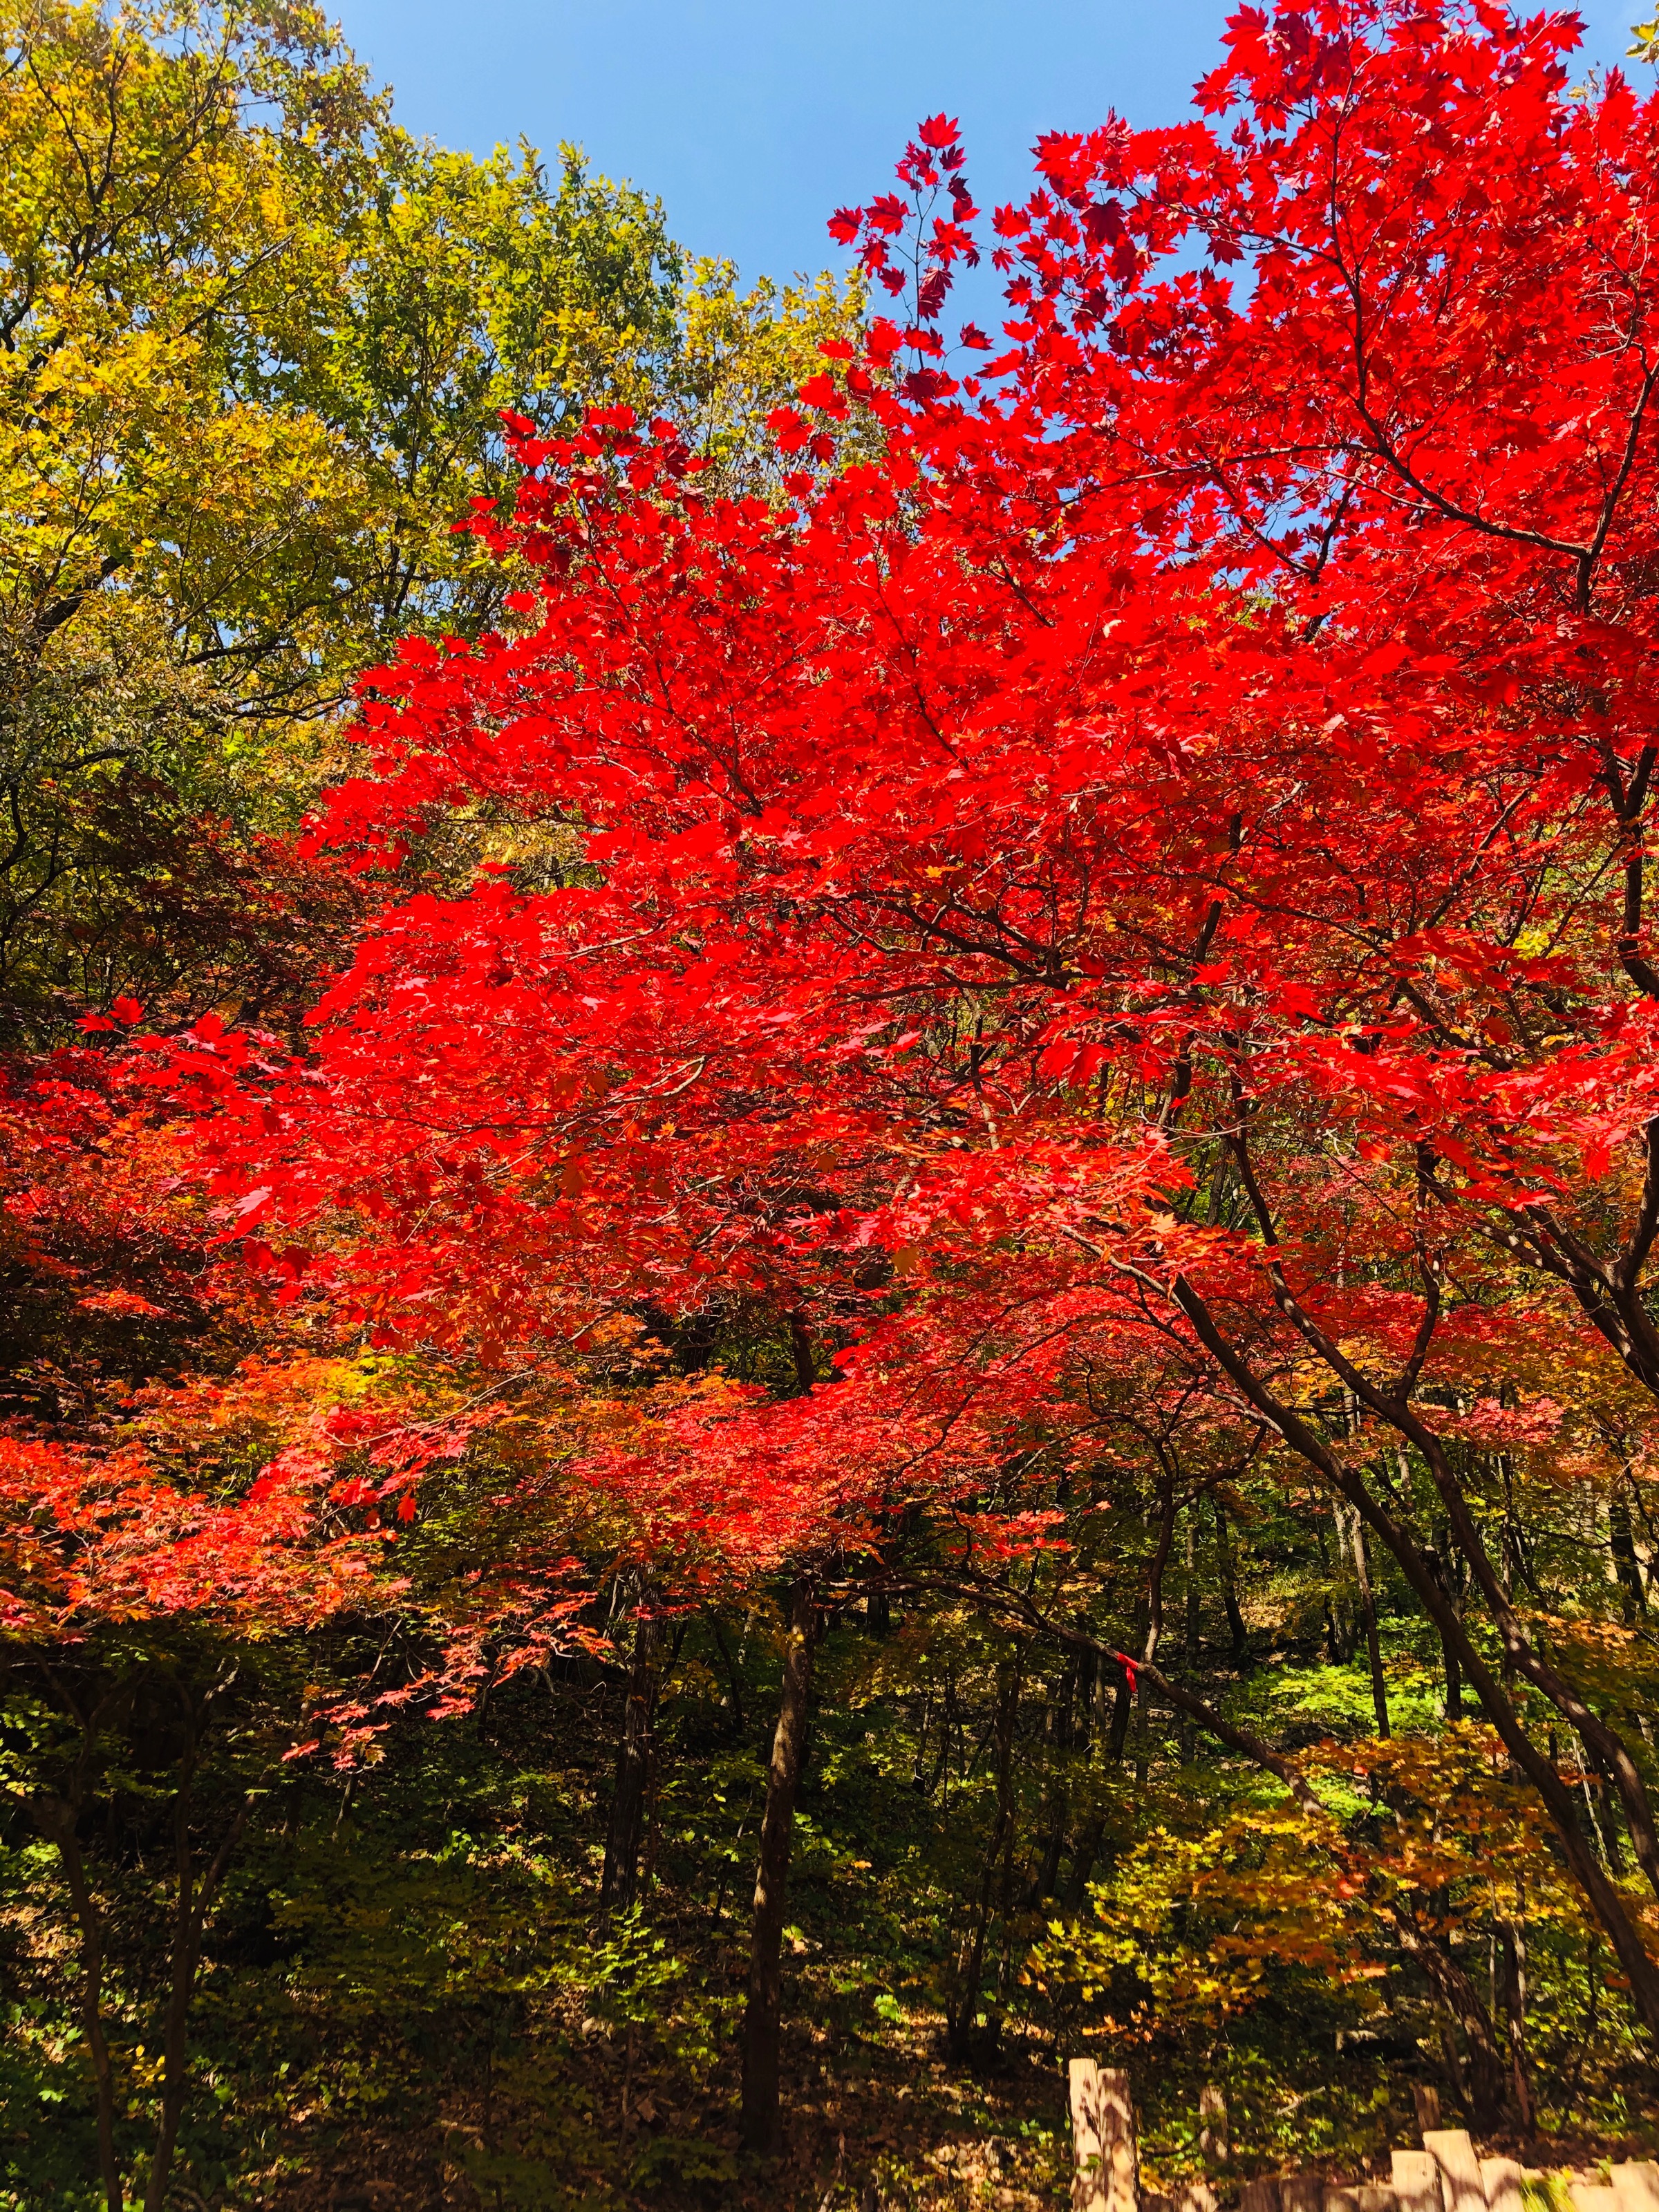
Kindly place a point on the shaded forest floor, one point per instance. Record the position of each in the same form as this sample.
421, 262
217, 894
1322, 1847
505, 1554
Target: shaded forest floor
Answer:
407, 1999
901, 2124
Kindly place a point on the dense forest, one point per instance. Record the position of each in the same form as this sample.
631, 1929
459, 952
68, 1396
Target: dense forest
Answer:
830, 1147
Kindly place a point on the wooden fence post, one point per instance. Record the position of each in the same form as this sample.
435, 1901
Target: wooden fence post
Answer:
1212, 2133
1105, 2178
1503, 2177
1417, 2181
1637, 2186
1461, 2188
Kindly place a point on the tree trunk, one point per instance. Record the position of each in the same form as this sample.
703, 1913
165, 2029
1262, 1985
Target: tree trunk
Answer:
1056, 1810
55, 1819
175, 2050
1513, 1935
1338, 1648
1154, 1625
1084, 1852
762, 2117
1056, 1813
1223, 1551
970, 1961
619, 1883
1515, 1549
190, 1920
1622, 1537
1149, 1624
1190, 1633
1368, 1615
1117, 1733
1190, 1625
1439, 1563
1088, 1675
733, 1673
1458, 1999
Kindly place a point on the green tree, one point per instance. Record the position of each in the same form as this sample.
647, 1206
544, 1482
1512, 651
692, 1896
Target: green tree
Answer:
254, 344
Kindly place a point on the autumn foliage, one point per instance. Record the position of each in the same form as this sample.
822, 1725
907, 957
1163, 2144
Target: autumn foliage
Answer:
1109, 924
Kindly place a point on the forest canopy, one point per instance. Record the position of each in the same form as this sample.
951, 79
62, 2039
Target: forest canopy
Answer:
831, 1147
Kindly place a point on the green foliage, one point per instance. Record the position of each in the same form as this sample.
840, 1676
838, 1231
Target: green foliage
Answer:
255, 344
408, 1979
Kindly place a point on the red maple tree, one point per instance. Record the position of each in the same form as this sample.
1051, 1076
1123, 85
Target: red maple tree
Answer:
1162, 852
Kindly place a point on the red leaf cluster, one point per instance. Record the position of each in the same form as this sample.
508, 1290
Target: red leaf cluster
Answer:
1233, 719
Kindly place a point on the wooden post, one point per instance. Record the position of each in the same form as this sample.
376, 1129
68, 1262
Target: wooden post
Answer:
1417, 2181
1260, 2195
1302, 2192
1104, 2177
1426, 2099
1502, 2177
1212, 2139
1637, 2186
1461, 2188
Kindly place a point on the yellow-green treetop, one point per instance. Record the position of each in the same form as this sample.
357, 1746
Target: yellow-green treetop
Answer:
255, 344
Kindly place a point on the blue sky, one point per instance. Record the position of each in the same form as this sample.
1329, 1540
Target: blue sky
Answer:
752, 118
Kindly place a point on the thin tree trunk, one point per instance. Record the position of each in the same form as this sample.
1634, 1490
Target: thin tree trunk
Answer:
1088, 1671
175, 2053
55, 1817
1439, 1563
1190, 1622
762, 2124
1154, 1623
1460, 2000
1125, 1704
801, 1345
733, 1673
1057, 1806
1337, 1648
970, 1961
1367, 1614
1006, 1904
1622, 1537
1054, 1846
1603, 1818
1236, 1627
619, 1882
1516, 1547
1084, 1852
189, 1920
1513, 1940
